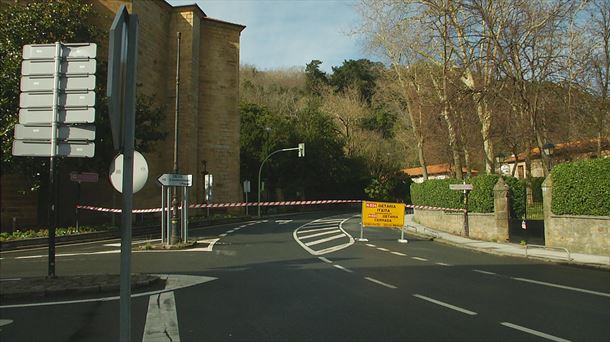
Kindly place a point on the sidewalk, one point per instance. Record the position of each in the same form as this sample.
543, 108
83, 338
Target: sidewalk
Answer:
511, 249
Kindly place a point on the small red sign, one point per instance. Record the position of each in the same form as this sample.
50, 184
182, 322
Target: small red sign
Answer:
84, 177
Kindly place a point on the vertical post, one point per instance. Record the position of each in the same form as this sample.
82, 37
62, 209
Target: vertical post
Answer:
77, 203
163, 213
52, 192
466, 227
185, 213
168, 195
176, 122
129, 63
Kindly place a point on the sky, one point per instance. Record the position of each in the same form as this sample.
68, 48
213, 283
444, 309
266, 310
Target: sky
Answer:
289, 33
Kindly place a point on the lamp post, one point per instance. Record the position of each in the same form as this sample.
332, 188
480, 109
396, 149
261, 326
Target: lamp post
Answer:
499, 159
548, 149
174, 220
300, 148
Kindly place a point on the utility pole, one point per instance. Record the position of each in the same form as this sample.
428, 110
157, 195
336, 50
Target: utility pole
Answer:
175, 229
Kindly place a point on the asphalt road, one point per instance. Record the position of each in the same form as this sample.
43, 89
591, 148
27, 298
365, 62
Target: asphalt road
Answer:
306, 278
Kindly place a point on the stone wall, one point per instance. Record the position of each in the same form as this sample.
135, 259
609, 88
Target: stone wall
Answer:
481, 226
579, 234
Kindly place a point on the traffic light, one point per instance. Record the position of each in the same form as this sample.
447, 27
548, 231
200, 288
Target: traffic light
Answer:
301, 150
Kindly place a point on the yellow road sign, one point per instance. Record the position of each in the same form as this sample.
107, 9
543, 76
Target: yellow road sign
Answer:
383, 214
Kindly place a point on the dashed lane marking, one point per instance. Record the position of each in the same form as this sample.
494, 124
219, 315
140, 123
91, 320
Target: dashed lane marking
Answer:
325, 260
379, 282
534, 332
443, 264
603, 294
383, 249
418, 258
371, 245
447, 305
343, 268
398, 253
484, 272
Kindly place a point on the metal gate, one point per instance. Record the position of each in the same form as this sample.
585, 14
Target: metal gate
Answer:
529, 228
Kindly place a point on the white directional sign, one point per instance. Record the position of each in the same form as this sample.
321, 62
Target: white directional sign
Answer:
172, 179
140, 172
57, 91
460, 186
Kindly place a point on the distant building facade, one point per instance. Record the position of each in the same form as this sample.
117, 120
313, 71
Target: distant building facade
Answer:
209, 106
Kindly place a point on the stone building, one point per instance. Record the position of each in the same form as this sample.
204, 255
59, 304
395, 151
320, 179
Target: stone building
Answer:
209, 105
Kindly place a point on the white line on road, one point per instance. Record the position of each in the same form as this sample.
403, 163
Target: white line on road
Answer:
343, 268
380, 283
325, 260
161, 319
315, 230
418, 258
443, 264
398, 253
317, 242
223, 235
371, 245
603, 294
383, 249
534, 332
449, 306
319, 234
10, 279
484, 272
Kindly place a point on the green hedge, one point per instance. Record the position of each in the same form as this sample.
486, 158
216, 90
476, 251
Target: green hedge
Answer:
582, 188
436, 192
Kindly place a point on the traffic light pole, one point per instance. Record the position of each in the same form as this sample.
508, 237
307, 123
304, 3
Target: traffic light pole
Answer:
300, 148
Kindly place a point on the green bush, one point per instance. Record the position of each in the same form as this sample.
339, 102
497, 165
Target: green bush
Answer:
537, 188
436, 193
582, 188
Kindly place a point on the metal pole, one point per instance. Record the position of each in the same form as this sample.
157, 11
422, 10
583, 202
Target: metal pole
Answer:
163, 213
168, 195
77, 203
129, 65
466, 227
260, 170
175, 221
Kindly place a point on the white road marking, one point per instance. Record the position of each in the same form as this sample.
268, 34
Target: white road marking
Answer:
343, 268
383, 249
443, 264
10, 279
230, 231
283, 221
325, 260
534, 332
69, 254
449, 306
326, 250
223, 235
320, 234
378, 282
418, 258
316, 230
371, 245
603, 294
161, 319
317, 242
4, 322
210, 243
173, 282
484, 272
398, 253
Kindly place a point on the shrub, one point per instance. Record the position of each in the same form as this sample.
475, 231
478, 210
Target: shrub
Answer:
537, 188
517, 196
481, 198
582, 188
436, 193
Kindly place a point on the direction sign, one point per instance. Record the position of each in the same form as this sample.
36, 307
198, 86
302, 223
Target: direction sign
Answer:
84, 177
47, 67
173, 179
72, 99
70, 115
42, 148
460, 187
68, 51
69, 82
81, 132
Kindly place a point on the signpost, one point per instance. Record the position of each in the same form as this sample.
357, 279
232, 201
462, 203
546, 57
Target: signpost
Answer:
382, 214
168, 180
246, 191
56, 79
121, 90
466, 188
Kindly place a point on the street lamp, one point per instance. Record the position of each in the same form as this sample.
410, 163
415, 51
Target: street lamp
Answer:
499, 159
300, 148
548, 149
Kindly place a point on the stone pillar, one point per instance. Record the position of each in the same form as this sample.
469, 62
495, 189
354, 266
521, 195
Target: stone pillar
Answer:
501, 209
547, 199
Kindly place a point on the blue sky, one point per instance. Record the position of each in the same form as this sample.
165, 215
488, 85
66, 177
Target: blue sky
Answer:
288, 33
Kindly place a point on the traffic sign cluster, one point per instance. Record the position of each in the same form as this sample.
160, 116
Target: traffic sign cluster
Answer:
57, 101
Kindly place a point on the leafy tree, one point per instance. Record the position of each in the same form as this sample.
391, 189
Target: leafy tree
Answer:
361, 74
314, 77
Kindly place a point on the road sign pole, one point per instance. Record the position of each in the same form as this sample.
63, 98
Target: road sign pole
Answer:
175, 228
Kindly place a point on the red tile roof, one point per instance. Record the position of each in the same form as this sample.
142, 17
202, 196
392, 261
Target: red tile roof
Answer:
567, 148
436, 169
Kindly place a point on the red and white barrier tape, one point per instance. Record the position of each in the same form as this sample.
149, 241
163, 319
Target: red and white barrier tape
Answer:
255, 204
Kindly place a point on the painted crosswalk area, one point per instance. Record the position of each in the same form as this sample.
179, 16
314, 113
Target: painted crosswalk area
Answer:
323, 236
